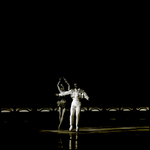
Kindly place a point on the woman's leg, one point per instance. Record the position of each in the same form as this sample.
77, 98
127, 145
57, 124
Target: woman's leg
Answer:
78, 109
59, 110
72, 112
62, 117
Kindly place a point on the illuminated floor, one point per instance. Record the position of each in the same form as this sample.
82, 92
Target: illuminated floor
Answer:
89, 130
97, 137
87, 138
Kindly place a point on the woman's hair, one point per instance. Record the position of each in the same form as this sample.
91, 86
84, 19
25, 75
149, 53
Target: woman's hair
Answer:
61, 86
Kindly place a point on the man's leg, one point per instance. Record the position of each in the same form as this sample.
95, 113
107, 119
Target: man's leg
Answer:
72, 112
78, 109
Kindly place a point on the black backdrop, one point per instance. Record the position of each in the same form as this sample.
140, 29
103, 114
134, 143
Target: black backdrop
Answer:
107, 61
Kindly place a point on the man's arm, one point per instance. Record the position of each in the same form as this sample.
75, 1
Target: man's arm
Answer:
65, 93
86, 96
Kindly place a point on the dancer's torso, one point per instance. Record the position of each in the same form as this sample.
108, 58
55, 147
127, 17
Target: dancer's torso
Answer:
76, 96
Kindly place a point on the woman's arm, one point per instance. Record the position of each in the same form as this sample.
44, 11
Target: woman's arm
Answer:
67, 83
58, 85
68, 86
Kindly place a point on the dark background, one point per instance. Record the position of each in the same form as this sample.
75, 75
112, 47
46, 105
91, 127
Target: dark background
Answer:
104, 53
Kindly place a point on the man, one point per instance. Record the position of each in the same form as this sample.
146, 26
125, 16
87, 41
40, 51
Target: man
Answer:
76, 95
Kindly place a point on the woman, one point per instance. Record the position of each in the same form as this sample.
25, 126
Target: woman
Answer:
62, 103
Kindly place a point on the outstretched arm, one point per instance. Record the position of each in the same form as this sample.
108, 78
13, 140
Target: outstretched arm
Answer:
65, 93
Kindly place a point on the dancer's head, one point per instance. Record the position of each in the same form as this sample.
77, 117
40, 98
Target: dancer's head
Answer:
62, 87
75, 85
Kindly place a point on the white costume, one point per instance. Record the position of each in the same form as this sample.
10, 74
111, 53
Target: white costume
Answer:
76, 95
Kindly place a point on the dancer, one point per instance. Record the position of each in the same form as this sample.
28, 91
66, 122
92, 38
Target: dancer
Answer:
61, 103
76, 95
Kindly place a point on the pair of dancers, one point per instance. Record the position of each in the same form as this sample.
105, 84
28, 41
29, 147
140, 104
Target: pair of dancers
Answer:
76, 94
